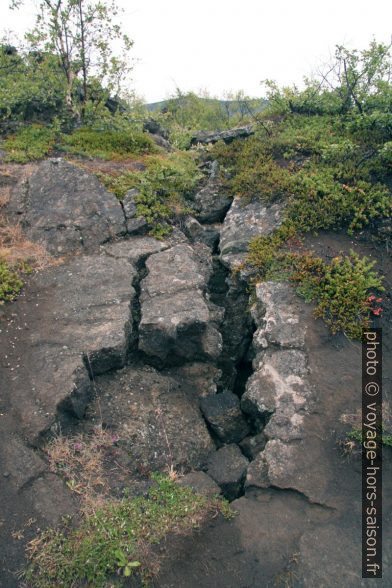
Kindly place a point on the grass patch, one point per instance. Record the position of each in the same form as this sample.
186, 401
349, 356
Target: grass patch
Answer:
340, 289
109, 145
351, 443
117, 538
29, 144
80, 461
10, 283
36, 141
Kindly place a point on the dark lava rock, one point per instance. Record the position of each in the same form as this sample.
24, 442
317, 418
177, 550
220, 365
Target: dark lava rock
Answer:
244, 221
223, 414
156, 418
153, 127
178, 322
135, 224
201, 483
227, 467
211, 202
50, 498
82, 323
66, 209
197, 232
205, 137
252, 446
161, 142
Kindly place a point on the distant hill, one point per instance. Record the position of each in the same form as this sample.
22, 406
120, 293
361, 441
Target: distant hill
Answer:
256, 104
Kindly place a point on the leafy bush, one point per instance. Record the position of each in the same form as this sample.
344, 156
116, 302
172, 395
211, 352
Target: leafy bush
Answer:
31, 87
340, 289
165, 188
342, 294
108, 144
117, 536
30, 143
322, 202
10, 283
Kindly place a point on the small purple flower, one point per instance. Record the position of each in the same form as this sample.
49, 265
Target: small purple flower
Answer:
78, 446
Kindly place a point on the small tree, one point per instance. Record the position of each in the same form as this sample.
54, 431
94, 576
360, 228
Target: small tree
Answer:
81, 33
355, 81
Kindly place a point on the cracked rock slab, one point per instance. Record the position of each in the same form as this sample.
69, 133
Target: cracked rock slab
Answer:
20, 463
201, 483
279, 388
177, 321
136, 224
87, 328
66, 209
156, 418
50, 499
277, 315
135, 250
211, 203
222, 412
205, 137
243, 222
227, 467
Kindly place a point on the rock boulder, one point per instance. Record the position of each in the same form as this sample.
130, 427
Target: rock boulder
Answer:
66, 209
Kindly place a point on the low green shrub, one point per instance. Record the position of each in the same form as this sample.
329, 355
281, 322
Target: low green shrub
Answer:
116, 538
10, 283
342, 294
321, 202
340, 289
165, 188
29, 143
108, 144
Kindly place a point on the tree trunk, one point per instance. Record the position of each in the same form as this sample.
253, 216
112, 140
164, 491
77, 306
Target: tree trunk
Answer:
83, 57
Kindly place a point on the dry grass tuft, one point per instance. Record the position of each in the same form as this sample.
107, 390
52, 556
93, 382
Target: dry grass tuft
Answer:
15, 249
80, 460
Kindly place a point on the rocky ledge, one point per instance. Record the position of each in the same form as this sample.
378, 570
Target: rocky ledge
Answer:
157, 342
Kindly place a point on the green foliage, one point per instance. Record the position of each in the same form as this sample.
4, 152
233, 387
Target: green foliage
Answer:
252, 171
87, 40
322, 202
341, 290
328, 157
356, 435
108, 144
30, 143
10, 283
165, 188
116, 537
31, 86
355, 81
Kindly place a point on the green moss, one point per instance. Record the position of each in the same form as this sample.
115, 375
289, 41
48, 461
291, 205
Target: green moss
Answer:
110, 145
10, 283
29, 144
116, 538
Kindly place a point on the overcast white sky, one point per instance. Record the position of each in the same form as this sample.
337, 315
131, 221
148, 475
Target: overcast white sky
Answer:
221, 45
